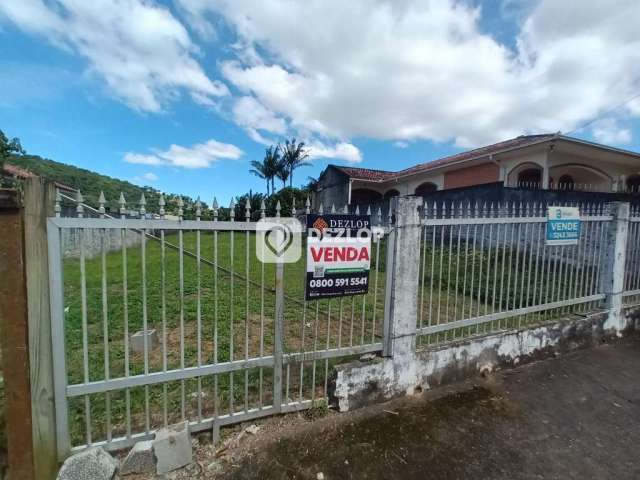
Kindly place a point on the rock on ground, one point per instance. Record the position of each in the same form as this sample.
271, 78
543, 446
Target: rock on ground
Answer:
93, 463
137, 340
172, 447
141, 459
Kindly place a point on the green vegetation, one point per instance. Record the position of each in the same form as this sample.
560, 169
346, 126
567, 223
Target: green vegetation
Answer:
468, 281
242, 311
92, 183
268, 168
280, 162
8, 148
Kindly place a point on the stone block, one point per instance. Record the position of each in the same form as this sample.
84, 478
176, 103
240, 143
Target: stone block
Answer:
172, 448
141, 459
93, 463
137, 340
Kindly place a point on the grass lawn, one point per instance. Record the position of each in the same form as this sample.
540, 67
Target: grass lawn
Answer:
239, 313
235, 304
461, 281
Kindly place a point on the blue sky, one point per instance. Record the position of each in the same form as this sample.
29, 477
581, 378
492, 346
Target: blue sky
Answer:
182, 95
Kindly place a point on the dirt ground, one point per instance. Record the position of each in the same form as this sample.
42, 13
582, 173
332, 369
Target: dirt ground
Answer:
574, 416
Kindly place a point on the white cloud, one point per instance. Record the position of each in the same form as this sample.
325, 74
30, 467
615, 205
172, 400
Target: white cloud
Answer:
340, 151
401, 144
195, 13
253, 116
201, 155
145, 178
143, 53
608, 130
397, 70
405, 70
142, 159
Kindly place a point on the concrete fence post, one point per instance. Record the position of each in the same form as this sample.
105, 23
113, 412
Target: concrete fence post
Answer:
403, 270
613, 266
396, 373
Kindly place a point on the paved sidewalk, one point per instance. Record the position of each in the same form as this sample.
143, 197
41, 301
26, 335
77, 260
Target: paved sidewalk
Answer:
575, 416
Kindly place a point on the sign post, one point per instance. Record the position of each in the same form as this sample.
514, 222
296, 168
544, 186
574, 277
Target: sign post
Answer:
338, 255
563, 225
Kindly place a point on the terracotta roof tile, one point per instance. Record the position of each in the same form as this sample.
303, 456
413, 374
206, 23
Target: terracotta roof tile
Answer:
366, 173
17, 171
23, 173
383, 175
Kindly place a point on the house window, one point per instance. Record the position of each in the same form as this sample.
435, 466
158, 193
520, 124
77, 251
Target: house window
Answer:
426, 188
530, 178
566, 182
633, 183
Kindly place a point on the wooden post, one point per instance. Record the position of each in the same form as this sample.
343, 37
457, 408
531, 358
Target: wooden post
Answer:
39, 198
15, 338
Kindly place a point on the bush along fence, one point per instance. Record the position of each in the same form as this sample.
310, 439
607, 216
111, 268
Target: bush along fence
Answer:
153, 321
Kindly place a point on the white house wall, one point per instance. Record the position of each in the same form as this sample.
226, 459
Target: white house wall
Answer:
606, 174
513, 166
406, 186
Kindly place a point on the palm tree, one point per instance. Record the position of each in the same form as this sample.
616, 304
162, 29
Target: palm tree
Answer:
268, 168
283, 172
294, 156
260, 170
312, 183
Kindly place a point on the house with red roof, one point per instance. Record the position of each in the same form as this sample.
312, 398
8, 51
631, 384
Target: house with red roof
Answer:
532, 162
10, 172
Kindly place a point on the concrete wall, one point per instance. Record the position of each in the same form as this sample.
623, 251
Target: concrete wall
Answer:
71, 240
333, 189
361, 383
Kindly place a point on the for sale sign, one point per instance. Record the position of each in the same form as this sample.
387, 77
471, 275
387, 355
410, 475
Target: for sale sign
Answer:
563, 225
338, 255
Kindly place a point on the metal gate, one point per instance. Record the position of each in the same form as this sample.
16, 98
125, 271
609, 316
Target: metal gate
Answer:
158, 320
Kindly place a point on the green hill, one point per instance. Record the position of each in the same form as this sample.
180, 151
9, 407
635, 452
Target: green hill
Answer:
92, 183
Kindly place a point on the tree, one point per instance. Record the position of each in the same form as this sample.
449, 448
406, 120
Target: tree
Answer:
268, 168
255, 201
260, 170
294, 156
283, 172
7, 149
312, 184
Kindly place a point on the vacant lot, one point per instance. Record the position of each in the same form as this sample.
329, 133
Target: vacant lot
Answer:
216, 303
207, 314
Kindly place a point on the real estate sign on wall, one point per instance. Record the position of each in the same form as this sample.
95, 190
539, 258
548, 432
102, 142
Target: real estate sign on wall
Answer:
563, 225
338, 255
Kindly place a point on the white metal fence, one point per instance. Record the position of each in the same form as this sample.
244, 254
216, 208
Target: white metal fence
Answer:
487, 268
235, 339
631, 294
